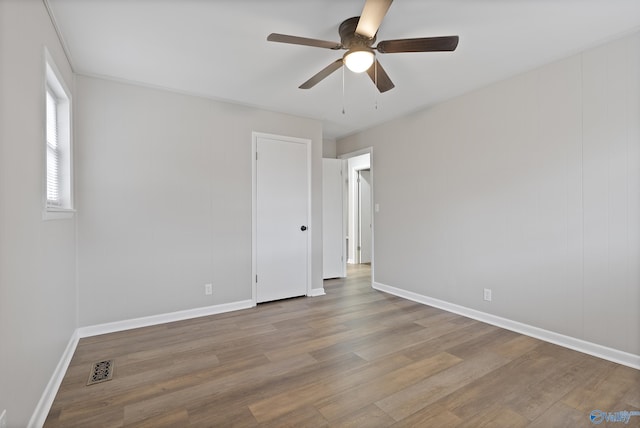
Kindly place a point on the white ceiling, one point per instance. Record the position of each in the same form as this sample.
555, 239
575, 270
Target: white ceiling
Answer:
218, 48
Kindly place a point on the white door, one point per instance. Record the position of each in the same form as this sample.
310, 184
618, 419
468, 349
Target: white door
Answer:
282, 201
364, 182
333, 242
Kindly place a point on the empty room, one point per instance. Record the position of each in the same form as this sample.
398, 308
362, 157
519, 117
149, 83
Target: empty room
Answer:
361, 213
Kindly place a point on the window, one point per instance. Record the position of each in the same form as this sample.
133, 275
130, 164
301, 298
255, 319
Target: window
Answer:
58, 186
54, 153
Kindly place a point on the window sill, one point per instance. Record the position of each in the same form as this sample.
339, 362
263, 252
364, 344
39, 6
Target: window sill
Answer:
57, 213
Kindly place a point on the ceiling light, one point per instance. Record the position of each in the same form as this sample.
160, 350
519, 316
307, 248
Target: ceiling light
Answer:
358, 59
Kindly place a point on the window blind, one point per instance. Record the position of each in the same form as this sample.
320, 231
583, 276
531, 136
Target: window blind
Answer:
53, 153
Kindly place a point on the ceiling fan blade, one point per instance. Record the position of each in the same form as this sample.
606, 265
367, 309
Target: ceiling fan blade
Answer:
380, 78
322, 74
424, 44
295, 40
371, 17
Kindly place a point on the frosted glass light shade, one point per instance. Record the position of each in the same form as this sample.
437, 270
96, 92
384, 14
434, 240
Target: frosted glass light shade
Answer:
358, 60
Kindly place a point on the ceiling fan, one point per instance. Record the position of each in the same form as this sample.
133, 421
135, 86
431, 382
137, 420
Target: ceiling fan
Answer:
357, 36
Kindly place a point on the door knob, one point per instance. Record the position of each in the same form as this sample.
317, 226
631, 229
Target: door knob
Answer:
303, 228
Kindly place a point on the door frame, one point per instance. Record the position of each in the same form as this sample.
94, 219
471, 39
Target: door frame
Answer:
359, 206
345, 156
254, 208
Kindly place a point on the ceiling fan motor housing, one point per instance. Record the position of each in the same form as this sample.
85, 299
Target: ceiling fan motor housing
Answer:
349, 38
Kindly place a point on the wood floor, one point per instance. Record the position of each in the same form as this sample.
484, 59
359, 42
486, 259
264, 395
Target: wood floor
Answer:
355, 357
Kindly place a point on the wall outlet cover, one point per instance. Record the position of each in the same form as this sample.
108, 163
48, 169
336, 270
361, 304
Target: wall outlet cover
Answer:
208, 289
487, 294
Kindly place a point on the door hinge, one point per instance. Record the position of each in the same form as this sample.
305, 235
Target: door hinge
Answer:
256, 155
256, 279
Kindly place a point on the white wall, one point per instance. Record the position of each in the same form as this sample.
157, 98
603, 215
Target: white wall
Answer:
37, 258
530, 187
163, 186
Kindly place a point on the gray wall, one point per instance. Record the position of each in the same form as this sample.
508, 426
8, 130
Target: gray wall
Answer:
37, 258
163, 184
530, 187
329, 148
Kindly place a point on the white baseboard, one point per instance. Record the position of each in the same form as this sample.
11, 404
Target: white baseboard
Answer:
614, 355
113, 327
46, 400
315, 292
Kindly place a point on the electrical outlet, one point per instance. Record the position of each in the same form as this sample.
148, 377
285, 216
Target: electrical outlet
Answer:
3, 419
487, 294
208, 289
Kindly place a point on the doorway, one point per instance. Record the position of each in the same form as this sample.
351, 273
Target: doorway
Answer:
281, 243
359, 214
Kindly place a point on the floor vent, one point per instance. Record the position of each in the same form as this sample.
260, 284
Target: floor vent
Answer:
101, 372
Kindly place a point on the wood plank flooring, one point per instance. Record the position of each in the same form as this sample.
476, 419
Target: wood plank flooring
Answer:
355, 357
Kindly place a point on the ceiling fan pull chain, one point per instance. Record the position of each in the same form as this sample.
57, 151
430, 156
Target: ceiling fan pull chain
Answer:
375, 74
343, 90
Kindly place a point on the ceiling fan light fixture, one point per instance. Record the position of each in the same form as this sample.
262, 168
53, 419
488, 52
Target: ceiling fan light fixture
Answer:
359, 59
